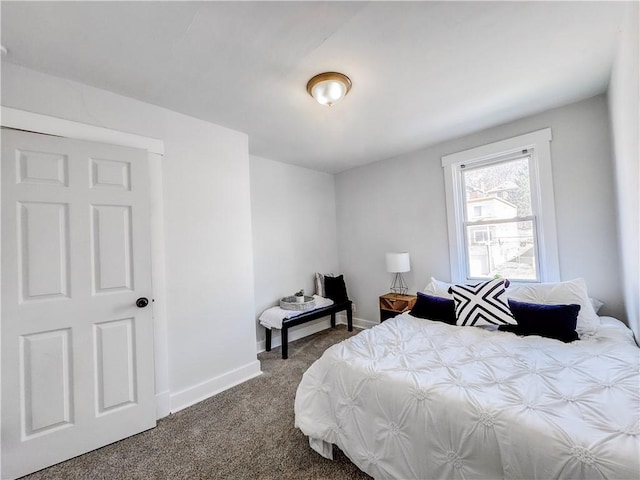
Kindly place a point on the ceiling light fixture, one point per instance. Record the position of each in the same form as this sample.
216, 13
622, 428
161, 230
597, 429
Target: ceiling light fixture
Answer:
329, 88
3, 49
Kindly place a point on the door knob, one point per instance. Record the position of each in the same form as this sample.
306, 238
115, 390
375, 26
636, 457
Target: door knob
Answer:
142, 302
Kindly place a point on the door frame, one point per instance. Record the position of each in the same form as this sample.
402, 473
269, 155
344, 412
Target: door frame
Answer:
38, 123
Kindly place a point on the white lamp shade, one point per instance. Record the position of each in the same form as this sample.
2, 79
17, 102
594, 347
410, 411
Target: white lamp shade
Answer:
398, 262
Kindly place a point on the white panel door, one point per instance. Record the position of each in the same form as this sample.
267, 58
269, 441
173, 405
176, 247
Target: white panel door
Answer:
77, 353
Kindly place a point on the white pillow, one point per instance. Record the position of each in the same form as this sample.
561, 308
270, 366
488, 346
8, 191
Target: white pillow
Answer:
437, 288
320, 283
561, 293
596, 304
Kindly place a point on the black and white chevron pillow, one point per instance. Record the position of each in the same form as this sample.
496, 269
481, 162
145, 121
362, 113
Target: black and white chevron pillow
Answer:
484, 303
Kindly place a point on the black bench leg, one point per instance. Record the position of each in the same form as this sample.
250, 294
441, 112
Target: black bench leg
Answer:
333, 320
285, 342
267, 339
350, 319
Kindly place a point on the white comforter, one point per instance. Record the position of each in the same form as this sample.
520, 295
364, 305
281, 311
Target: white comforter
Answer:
413, 398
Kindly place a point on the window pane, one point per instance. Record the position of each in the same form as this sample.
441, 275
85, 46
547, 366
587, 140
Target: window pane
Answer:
505, 249
498, 191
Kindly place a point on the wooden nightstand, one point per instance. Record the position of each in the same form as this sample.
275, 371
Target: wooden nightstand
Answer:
392, 304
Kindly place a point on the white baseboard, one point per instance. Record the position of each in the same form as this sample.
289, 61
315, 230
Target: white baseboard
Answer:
305, 331
209, 388
361, 323
163, 404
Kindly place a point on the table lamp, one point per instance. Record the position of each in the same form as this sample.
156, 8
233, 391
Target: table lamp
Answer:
398, 263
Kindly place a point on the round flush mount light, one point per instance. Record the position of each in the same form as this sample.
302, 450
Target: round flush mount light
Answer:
329, 88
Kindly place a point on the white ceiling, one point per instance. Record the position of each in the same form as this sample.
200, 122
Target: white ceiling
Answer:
422, 72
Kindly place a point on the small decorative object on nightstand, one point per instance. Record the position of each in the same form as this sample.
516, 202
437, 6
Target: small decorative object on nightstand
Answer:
392, 304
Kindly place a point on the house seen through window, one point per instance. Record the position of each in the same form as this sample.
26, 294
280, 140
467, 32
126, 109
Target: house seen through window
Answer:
499, 225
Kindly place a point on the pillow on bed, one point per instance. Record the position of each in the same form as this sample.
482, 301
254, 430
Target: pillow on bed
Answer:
335, 289
560, 293
596, 304
483, 303
434, 308
437, 288
551, 321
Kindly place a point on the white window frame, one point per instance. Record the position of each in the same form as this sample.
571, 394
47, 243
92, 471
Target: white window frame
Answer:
542, 199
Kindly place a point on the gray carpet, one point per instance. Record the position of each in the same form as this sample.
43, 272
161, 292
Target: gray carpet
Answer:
246, 432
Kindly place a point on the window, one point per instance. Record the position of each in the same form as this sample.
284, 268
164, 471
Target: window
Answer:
500, 211
481, 237
503, 188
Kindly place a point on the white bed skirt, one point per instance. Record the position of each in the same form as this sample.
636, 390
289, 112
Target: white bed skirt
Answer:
323, 448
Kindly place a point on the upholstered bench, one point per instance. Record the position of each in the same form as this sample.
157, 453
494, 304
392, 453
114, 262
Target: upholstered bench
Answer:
307, 317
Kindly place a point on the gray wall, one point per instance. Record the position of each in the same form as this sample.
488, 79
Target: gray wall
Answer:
399, 205
207, 219
624, 104
293, 214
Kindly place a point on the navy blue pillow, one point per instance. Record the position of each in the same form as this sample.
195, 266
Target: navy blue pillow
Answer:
552, 321
434, 308
335, 289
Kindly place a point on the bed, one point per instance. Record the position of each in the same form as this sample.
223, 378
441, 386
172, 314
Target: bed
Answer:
421, 399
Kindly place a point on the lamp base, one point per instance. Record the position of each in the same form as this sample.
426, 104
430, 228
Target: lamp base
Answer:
398, 285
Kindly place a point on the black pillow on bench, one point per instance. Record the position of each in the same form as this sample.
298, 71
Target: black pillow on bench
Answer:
335, 289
